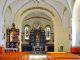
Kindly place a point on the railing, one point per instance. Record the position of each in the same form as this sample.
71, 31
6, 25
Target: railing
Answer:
11, 49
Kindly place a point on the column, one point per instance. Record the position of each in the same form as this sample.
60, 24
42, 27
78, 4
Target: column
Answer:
76, 28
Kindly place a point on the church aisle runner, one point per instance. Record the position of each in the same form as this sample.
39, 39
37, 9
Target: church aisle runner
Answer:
37, 57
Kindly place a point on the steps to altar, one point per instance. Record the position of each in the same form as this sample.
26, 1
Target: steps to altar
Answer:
37, 57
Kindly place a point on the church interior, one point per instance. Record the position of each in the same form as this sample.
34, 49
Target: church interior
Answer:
39, 30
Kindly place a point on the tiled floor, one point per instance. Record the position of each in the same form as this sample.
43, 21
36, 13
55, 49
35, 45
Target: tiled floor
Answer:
37, 57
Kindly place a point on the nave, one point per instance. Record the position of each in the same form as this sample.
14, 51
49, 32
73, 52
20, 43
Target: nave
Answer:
39, 29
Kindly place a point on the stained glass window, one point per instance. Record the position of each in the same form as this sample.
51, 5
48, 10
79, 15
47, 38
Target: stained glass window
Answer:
27, 30
48, 32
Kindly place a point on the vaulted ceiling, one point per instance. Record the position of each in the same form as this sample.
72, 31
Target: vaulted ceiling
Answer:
60, 8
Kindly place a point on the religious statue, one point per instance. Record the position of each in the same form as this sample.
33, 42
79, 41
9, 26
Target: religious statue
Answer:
37, 36
37, 26
13, 34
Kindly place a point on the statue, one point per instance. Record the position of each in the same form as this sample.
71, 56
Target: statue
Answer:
37, 36
13, 33
37, 26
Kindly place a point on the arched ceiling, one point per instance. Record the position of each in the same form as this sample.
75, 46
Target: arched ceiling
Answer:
67, 3
62, 8
38, 15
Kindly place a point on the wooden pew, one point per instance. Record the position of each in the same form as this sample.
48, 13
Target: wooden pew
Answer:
15, 56
62, 56
1, 50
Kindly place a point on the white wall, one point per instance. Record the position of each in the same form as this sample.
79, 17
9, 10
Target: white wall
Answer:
1, 23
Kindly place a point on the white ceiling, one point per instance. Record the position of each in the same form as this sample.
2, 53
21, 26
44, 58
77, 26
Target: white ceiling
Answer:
11, 7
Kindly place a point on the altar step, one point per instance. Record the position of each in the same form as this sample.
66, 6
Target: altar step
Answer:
37, 57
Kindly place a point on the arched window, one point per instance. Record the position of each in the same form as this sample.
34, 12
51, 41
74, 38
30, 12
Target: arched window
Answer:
48, 32
27, 32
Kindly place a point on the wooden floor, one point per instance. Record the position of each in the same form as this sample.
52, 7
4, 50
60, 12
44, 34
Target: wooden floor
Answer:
49, 56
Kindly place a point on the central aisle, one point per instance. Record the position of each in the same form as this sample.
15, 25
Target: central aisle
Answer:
37, 57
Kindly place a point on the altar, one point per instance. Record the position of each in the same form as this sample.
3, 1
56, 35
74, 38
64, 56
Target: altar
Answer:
37, 41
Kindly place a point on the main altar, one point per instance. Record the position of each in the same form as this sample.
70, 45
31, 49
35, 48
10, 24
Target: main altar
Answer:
37, 40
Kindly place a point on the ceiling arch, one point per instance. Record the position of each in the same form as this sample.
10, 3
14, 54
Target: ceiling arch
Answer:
37, 14
51, 11
9, 2
52, 4
49, 15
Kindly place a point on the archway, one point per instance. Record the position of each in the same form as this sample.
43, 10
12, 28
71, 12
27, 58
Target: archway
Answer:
30, 21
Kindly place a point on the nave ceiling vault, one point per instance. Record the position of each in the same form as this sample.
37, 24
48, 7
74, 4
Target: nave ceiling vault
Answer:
14, 6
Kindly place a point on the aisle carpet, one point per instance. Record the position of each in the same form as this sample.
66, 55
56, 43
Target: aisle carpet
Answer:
37, 57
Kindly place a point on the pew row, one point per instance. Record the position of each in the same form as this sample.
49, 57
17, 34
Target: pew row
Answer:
62, 56
15, 56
